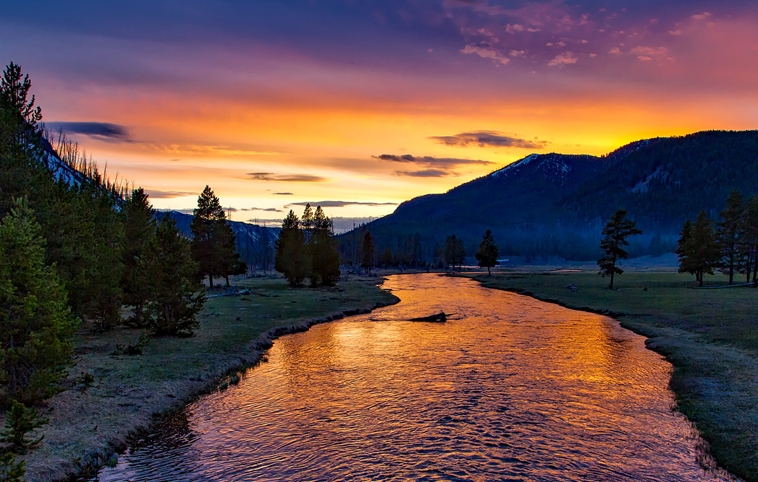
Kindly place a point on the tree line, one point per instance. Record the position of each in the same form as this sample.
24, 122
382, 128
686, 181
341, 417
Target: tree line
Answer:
306, 248
77, 247
729, 245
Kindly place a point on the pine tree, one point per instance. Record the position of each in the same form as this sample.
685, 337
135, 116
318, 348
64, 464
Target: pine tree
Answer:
703, 248
36, 325
20, 172
322, 250
18, 423
139, 229
487, 254
367, 251
618, 228
749, 237
177, 292
451, 248
728, 233
14, 93
460, 253
10, 469
213, 242
291, 258
684, 249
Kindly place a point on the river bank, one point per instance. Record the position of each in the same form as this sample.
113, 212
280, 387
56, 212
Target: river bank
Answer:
109, 398
709, 336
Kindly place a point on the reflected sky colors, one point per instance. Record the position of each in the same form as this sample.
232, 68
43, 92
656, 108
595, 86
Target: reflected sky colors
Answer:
369, 103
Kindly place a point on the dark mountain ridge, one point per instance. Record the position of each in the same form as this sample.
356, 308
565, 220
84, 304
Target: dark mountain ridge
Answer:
555, 204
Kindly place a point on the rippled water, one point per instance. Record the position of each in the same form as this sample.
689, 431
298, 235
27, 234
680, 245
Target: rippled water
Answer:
509, 389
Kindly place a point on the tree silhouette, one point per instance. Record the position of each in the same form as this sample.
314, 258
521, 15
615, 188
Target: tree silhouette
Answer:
291, 257
728, 233
213, 243
367, 251
616, 230
487, 254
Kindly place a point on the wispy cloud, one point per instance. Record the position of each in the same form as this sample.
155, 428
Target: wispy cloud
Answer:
425, 173
270, 176
433, 162
101, 130
488, 139
210, 150
339, 204
270, 210
156, 194
283, 194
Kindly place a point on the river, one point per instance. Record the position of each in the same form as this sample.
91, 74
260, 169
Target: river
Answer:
510, 388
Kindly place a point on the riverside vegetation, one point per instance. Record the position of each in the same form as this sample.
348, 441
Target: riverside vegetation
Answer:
110, 398
103, 316
709, 336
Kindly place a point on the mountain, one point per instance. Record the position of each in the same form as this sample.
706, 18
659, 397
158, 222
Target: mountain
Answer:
556, 204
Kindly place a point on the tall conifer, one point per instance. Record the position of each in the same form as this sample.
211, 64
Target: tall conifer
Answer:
36, 324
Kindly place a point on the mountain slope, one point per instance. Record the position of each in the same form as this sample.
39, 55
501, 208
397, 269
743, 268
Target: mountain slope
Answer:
555, 204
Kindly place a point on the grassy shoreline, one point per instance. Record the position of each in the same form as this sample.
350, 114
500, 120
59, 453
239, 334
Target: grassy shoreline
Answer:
109, 398
709, 336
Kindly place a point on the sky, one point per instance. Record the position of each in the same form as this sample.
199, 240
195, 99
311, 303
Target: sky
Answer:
361, 105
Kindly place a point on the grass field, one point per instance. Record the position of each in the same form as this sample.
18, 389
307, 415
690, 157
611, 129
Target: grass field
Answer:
108, 396
709, 335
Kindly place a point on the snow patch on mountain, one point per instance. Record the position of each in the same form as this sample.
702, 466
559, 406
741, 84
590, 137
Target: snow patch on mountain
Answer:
511, 167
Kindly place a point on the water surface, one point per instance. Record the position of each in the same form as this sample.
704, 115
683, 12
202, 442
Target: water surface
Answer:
509, 389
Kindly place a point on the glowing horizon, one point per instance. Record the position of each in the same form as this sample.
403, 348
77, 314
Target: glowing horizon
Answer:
369, 106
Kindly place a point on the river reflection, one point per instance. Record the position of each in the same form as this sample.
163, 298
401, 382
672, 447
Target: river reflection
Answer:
509, 389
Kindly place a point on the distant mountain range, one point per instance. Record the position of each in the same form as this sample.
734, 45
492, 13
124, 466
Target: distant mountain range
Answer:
556, 204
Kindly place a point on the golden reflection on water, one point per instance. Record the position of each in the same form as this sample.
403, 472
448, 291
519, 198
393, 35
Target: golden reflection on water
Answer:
508, 388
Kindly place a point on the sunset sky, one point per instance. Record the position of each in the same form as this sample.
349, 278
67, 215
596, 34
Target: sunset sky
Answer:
360, 105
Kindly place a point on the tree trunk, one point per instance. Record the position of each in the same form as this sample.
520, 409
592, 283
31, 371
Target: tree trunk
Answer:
613, 272
488, 271
210, 280
700, 279
731, 268
227, 281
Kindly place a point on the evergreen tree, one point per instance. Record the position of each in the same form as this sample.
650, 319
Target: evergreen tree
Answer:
367, 251
728, 233
18, 423
291, 257
323, 252
451, 250
684, 249
213, 242
487, 254
307, 222
177, 292
230, 262
10, 469
616, 230
14, 92
36, 324
20, 172
460, 252
103, 297
749, 237
139, 229
703, 248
